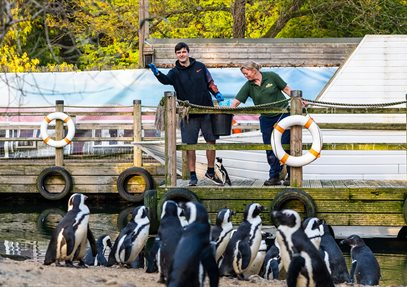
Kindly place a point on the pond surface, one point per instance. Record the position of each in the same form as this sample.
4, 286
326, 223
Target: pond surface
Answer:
26, 226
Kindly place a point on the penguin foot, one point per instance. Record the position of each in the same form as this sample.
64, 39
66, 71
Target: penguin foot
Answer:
68, 263
241, 277
81, 264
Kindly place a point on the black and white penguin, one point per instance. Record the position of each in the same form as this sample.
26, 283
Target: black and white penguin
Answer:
272, 262
69, 238
103, 244
132, 238
244, 244
221, 231
194, 255
221, 172
314, 230
365, 268
169, 234
255, 267
301, 260
333, 256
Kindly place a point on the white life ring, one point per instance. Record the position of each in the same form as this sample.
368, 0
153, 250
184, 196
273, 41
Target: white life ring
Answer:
44, 129
296, 120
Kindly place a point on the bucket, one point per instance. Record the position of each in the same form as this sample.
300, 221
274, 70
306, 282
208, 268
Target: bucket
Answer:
222, 124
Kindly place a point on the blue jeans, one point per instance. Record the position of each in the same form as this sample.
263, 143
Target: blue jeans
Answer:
266, 127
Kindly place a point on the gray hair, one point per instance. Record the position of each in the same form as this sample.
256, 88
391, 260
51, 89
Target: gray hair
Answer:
250, 65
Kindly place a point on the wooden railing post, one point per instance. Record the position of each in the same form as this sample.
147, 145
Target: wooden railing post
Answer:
170, 139
296, 138
137, 156
59, 134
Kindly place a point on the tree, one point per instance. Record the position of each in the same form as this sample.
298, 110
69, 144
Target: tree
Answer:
239, 18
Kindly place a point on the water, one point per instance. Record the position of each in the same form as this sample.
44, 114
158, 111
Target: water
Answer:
26, 226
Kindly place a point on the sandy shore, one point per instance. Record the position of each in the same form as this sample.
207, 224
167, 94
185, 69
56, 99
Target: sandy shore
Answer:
27, 273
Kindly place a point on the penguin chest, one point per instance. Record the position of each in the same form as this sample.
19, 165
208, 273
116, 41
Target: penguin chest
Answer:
306, 277
255, 243
285, 250
222, 243
136, 245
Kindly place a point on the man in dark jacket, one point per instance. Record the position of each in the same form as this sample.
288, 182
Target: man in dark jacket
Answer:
193, 82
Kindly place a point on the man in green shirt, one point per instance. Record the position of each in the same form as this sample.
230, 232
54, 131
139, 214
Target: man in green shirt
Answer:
266, 88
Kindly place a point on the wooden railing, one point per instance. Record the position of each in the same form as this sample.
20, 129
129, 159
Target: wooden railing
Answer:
296, 180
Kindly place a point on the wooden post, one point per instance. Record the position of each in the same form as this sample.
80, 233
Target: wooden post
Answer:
59, 134
137, 157
143, 29
170, 139
296, 138
185, 168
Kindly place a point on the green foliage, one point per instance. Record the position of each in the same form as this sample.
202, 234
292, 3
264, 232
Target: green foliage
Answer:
103, 34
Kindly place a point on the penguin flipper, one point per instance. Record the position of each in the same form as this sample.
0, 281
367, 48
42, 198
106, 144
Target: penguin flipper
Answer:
294, 269
51, 254
245, 253
209, 263
92, 242
69, 236
352, 271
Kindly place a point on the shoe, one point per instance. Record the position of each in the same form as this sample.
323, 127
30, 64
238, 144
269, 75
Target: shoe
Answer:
286, 181
193, 181
272, 181
213, 178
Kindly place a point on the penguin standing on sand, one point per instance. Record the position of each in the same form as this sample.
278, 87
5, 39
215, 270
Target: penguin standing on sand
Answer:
194, 255
221, 231
365, 268
244, 244
272, 264
305, 267
169, 234
103, 243
132, 238
69, 238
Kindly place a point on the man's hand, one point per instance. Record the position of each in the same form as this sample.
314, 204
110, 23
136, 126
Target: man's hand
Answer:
153, 69
219, 97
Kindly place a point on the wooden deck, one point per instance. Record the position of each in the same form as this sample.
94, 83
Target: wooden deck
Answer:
343, 203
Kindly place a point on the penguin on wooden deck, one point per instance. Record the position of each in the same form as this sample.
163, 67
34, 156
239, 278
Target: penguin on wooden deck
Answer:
132, 238
103, 243
169, 234
194, 256
305, 267
221, 231
365, 268
69, 238
244, 244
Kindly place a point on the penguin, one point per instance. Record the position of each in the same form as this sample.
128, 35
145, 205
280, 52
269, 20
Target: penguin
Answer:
301, 260
255, 266
244, 244
221, 172
169, 234
132, 238
333, 256
272, 264
314, 230
365, 268
194, 255
221, 231
69, 238
103, 243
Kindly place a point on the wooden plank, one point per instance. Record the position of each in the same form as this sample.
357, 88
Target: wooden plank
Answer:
360, 206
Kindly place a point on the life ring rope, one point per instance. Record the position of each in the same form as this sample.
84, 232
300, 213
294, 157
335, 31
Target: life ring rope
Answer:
44, 129
311, 155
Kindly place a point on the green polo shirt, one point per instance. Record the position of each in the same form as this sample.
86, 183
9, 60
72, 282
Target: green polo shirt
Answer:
268, 92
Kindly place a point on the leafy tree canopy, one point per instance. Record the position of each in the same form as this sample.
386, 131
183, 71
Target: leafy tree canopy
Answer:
103, 34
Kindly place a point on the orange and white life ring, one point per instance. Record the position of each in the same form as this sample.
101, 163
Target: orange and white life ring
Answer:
66, 119
296, 120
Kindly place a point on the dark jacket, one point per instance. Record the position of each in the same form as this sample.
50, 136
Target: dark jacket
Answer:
193, 83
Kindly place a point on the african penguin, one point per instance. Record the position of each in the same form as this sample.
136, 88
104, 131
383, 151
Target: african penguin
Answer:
221, 231
301, 260
272, 262
194, 255
132, 238
69, 238
255, 266
314, 230
169, 234
103, 243
221, 172
365, 268
244, 243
